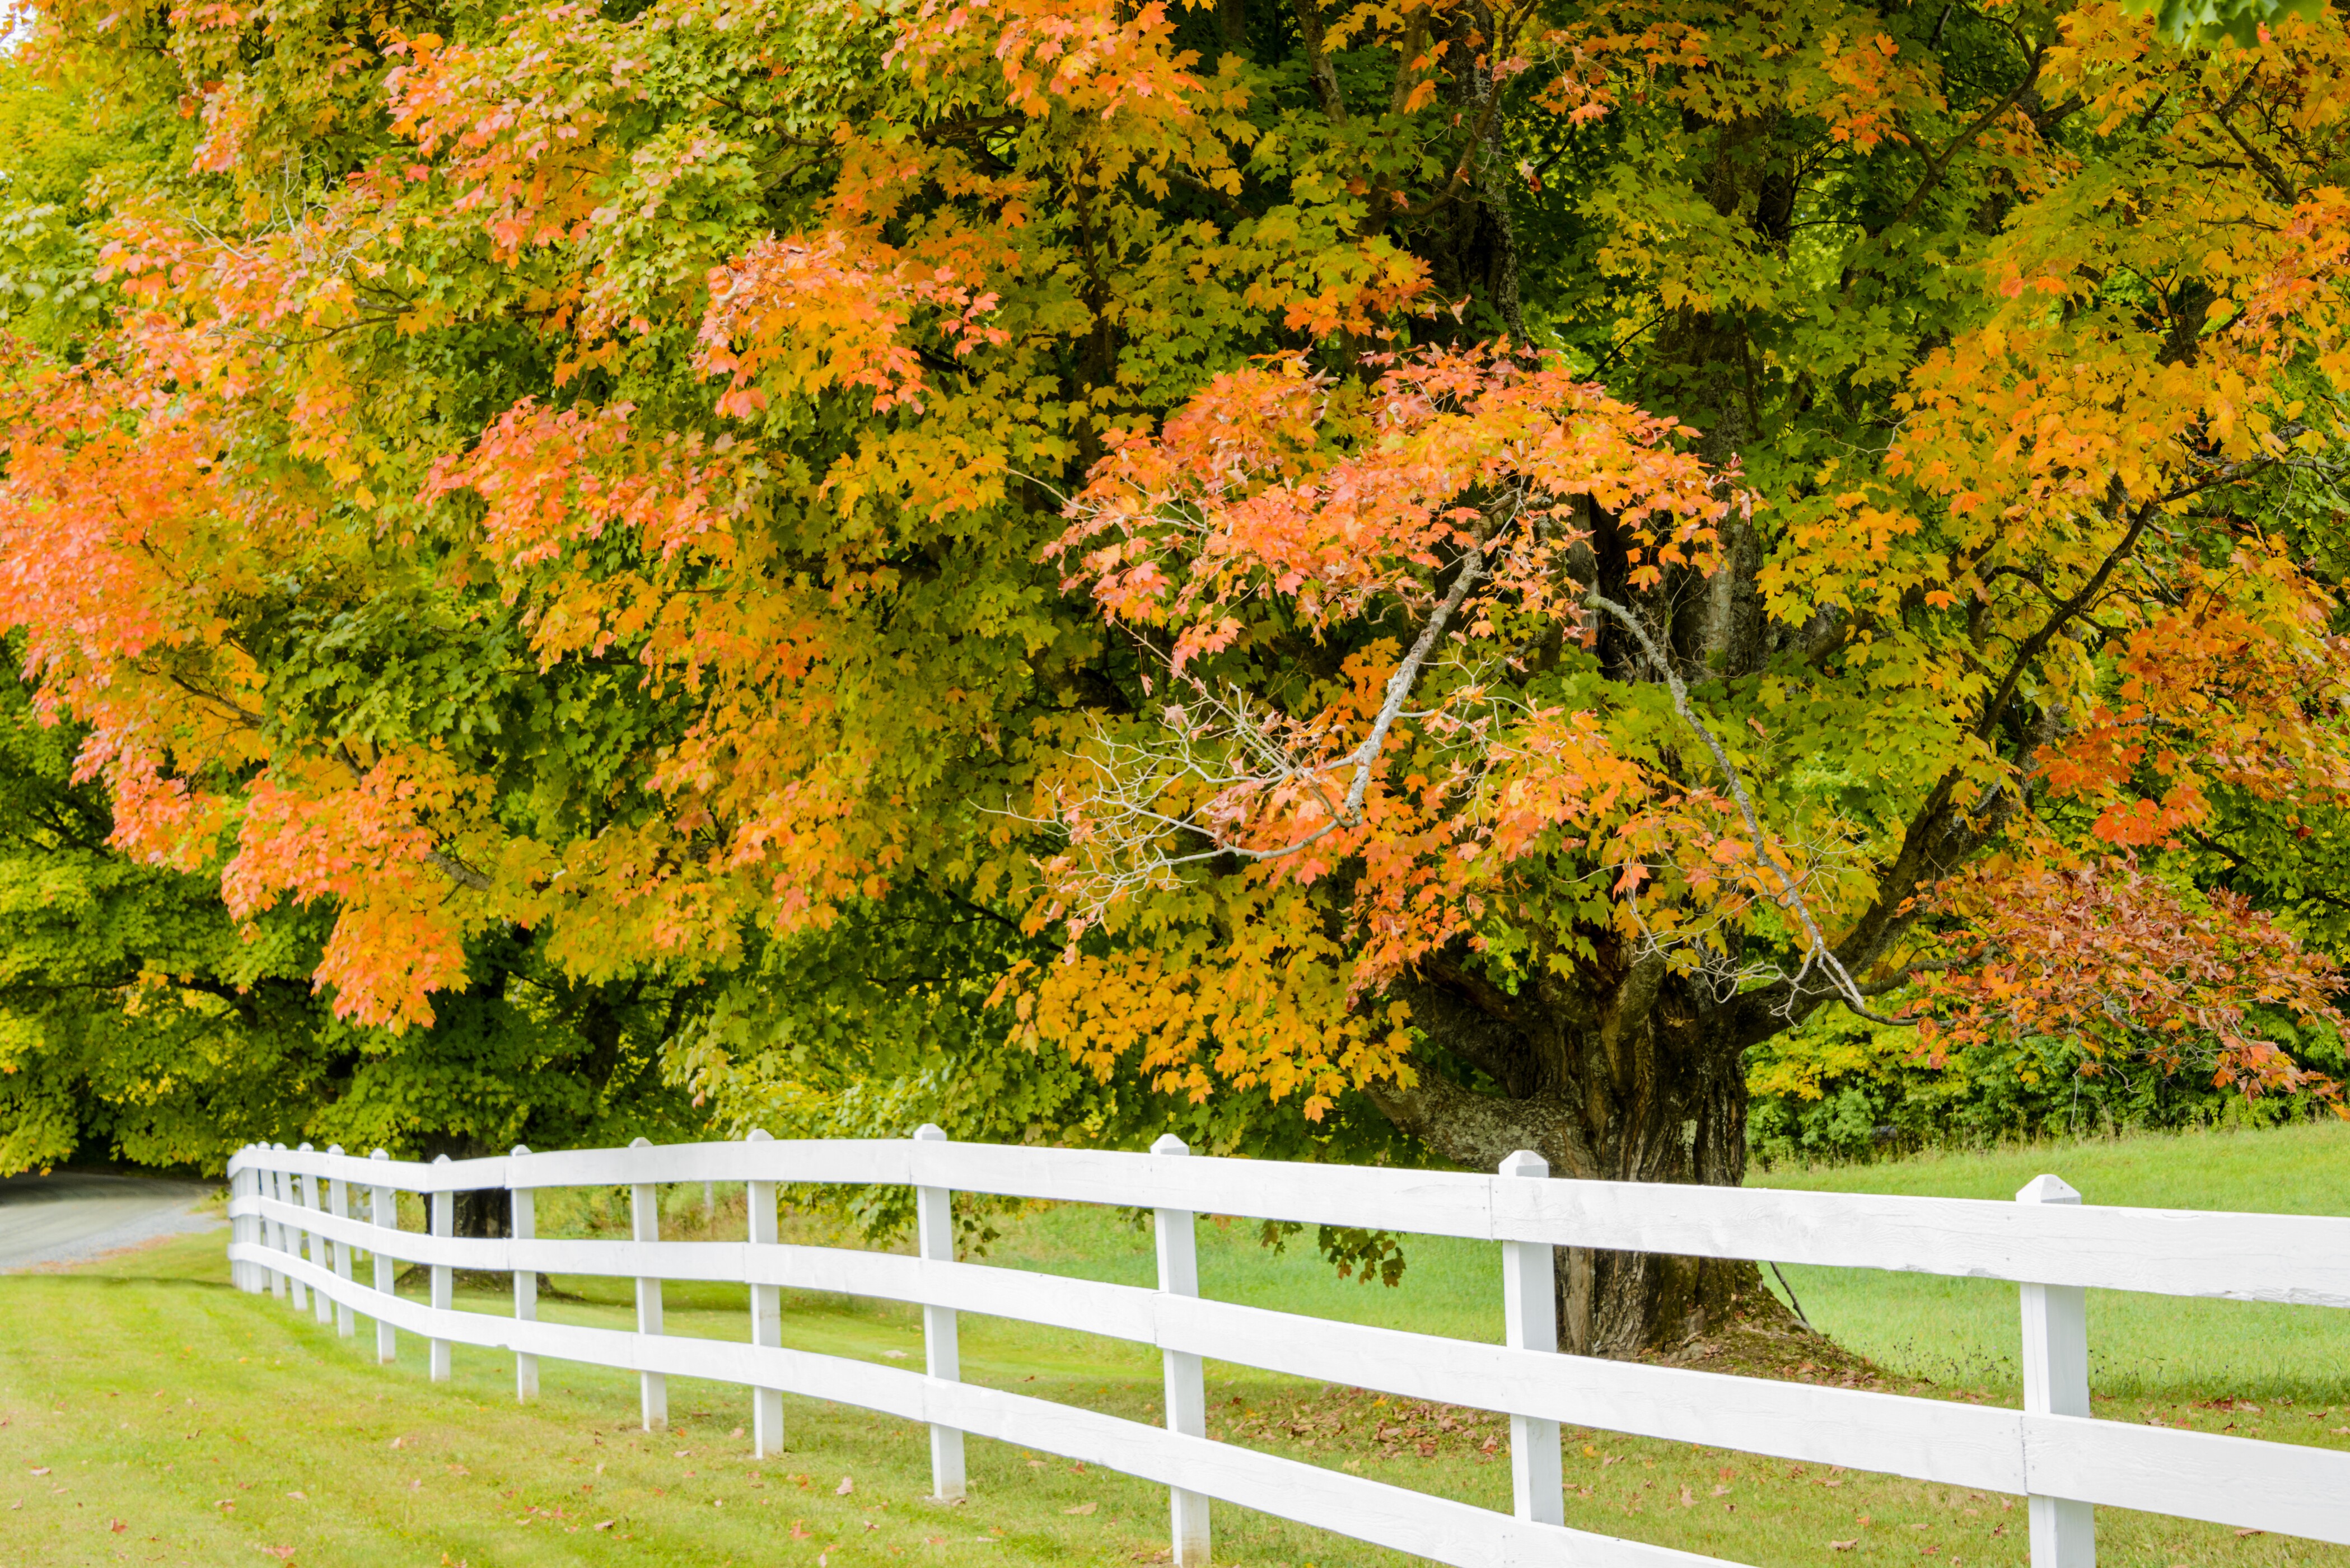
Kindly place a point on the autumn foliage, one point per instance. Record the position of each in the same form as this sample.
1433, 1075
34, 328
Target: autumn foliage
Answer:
1390, 553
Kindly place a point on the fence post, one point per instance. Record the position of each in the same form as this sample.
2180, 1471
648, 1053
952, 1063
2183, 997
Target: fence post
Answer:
444, 1224
289, 1237
2056, 1383
526, 1282
314, 1246
1530, 1320
239, 1186
644, 1225
1187, 1394
766, 1313
934, 1226
338, 1204
273, 1186
383, 1208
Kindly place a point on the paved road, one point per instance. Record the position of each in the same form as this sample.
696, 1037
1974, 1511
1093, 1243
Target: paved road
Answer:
70, 1218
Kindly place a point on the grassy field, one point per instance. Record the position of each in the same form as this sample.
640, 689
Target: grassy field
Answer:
149, 1413
2148, 1349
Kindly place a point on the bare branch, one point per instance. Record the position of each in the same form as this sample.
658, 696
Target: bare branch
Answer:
1790, 895
1399, 684
457, 871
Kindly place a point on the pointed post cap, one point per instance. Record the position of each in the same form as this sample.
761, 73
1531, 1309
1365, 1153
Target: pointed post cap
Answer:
757, 1134
1169, 1143
440, 1159
1525, 1162
2047, 1190
380, 1153
641, 1143
521, 1149
931, 1132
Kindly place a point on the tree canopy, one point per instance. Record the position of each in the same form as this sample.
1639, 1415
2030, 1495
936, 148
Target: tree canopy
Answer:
139, 1020
1471, 559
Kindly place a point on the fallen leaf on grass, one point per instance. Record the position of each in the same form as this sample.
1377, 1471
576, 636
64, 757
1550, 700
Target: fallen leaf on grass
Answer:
736, 1433
895, 1355
303, 1495
934, 1540
2241, 1533
1688, 1499
1842, 1545
116, 1526
1082, 1507
42, 1472
844, 1487
605, 1525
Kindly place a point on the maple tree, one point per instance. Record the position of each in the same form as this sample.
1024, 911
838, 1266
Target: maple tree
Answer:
1459, 563
131, 1016
139, 1021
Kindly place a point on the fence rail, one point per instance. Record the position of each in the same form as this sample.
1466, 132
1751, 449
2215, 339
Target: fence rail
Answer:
295, 1234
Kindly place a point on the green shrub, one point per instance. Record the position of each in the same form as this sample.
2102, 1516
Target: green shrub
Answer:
1841, 1089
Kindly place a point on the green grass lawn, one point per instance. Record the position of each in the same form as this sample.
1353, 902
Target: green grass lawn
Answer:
150, 1413
2154, 1350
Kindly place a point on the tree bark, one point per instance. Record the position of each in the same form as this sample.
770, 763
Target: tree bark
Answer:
1632, 1074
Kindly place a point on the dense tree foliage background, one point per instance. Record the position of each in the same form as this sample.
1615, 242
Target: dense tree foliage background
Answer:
1398, 583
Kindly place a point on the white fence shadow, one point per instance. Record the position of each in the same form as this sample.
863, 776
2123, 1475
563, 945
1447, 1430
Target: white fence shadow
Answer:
295, 1233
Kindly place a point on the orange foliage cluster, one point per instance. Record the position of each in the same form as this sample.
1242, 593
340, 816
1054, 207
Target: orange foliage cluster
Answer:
1276, 486
2127, 968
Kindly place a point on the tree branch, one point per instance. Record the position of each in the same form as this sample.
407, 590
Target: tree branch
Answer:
1789, 897
1982, 123
2033, 647
457, 871
1318, 70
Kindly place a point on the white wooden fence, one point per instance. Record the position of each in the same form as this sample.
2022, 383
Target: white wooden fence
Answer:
296, 1234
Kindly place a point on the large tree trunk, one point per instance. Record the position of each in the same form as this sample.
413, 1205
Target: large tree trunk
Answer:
1631, 1076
